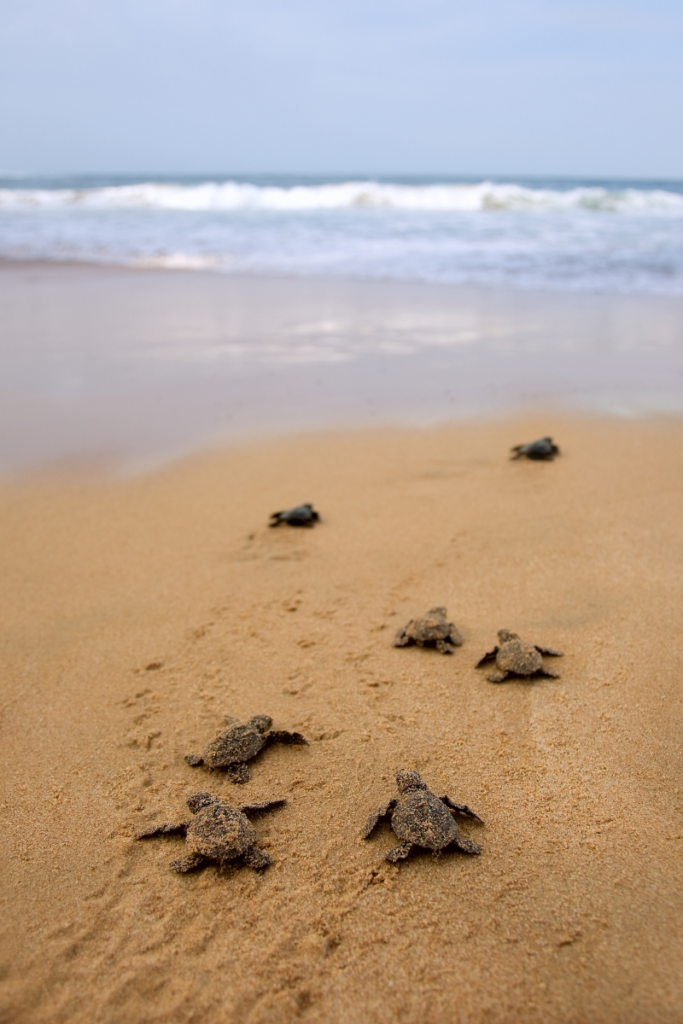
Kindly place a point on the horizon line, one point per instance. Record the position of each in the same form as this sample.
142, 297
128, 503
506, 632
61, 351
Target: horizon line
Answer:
341, 175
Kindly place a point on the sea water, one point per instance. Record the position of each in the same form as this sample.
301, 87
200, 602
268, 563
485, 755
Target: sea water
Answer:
331, 302
614, 236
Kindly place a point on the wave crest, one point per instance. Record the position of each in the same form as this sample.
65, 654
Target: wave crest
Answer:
232, 195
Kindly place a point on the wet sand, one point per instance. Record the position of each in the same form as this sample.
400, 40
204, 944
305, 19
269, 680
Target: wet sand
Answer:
137, 612
132, 367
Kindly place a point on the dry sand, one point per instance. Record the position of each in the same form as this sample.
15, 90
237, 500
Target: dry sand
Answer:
136, 613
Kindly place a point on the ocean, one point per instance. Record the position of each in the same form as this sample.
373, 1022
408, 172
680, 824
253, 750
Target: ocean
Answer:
557, 234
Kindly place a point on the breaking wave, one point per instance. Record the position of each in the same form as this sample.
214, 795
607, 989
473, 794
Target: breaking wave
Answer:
579, 235
233, 195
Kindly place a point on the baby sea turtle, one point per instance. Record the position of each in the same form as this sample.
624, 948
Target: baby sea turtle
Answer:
421, 819
217, 832
541, 449
302, 515
237, 744
432, 631
514, 657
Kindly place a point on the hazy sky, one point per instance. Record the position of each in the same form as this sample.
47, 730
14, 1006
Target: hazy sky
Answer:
435, 86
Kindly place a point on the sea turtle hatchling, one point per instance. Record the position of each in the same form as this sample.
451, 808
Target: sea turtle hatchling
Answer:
237, 744
420, 818
515, 657
541, 449
431, 631
302, 515
217, 832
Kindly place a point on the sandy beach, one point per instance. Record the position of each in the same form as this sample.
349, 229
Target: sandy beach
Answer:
417, 761
138, 611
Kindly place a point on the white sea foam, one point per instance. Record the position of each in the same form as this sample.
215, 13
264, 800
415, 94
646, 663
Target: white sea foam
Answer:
231, 195
178, 261
616, 236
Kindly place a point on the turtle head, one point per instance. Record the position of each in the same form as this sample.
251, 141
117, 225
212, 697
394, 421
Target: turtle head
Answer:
504, 635
199, 800
261, 722
408, 781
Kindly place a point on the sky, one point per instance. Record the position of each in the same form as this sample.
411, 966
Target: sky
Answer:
537, 87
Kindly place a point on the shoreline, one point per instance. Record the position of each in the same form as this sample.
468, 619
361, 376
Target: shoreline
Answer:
14, 264
110, 469
139, 611
130, 368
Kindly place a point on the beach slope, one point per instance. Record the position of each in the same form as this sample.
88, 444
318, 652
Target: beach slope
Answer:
136, 613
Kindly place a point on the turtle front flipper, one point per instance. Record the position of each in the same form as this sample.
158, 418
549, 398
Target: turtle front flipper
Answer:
460, 808
517, 451
548, 672
399, 852
168, 828
549, 651
257, 859
188, 863
264, 806
444, 646
194, 759
375, 817
238, 773
290, 738
497, 677
489, 656
467, 846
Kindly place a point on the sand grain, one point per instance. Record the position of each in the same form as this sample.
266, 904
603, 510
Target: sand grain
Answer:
136, 613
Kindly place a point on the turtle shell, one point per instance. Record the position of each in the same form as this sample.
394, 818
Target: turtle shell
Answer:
234, 745
519, 657
421, 818
431, 628
220, 832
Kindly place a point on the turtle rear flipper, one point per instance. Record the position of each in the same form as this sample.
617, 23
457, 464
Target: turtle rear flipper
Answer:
188, 863
257, 859
194, 759
375, 818
517, 451
399, 852
402, 639
454, 637
497, 677
467, 846
238, 773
